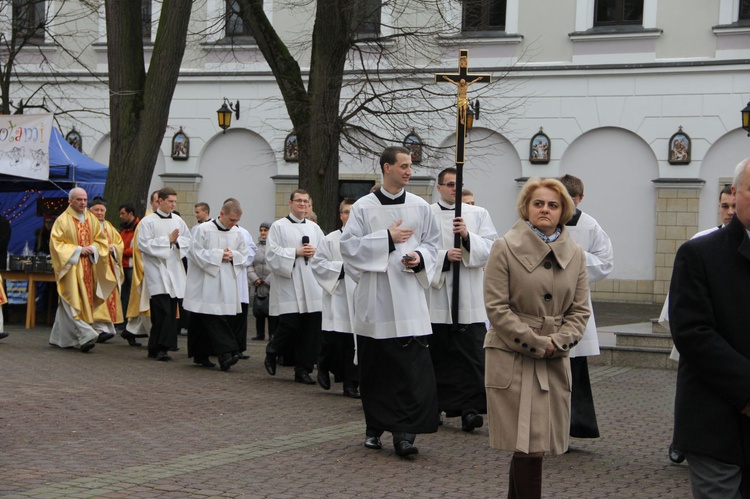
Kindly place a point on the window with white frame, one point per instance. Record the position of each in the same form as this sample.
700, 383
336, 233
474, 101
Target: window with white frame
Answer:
146, 18
484, 15
367, 20
29, 19
618, 13
744, 14
235, 26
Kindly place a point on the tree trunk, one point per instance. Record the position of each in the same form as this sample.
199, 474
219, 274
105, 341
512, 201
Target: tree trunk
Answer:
140, 101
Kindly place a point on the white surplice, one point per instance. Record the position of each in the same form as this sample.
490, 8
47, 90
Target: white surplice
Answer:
482, 234
213, 286
162, 261
294, 289
389, 302
242, 284
327, 265
599, 263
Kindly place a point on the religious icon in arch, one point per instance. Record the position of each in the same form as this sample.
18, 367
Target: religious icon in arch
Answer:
291, 148
414, 144
539, 148
679, 148
180, 146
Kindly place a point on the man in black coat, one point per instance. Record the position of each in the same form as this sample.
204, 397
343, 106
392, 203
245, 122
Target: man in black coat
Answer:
709, 300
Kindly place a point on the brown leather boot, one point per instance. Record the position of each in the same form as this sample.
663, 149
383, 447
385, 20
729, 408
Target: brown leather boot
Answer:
527, 477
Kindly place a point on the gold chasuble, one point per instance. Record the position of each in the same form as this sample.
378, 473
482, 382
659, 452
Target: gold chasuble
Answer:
139, 297
83, 285
3, 298
111, 309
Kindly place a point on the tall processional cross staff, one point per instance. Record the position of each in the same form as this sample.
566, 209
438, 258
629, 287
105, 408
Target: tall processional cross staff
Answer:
463, 80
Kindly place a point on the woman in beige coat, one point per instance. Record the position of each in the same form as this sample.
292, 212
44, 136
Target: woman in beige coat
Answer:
536, 294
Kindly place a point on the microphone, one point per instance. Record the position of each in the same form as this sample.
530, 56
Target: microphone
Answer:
305, 240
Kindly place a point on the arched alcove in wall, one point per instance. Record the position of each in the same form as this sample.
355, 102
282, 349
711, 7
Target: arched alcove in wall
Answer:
239, 164
720, 161
101, 154
618, 168
490, 169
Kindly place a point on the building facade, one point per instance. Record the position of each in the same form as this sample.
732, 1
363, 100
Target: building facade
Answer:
641, 99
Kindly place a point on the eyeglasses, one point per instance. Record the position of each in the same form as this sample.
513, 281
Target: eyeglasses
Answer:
451, 185
301, 201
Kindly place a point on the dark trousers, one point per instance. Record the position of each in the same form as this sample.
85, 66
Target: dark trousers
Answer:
458, 359
337, 356
163, 323
125, 290
239, 326
260, 325
582, 413
298, 332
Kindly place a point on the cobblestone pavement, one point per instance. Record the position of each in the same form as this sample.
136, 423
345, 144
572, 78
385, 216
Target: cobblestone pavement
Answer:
112, 423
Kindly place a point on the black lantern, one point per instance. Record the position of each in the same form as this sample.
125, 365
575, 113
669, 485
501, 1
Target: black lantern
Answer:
225, 114
746, 119
472, 113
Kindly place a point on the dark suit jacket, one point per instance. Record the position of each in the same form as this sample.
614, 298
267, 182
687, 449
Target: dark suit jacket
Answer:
709, 315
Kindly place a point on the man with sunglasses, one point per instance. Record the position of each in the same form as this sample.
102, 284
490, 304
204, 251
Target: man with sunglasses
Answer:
457, 346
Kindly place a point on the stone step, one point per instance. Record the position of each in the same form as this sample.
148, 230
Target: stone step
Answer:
645, 340
653, 358
658, 328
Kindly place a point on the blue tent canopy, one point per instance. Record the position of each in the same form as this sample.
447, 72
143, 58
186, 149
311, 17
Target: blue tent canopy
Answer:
19, 197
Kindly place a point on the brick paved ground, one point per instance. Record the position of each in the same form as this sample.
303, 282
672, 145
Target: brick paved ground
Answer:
114, 424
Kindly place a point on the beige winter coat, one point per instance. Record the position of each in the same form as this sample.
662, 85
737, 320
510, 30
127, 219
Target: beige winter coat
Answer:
532, 290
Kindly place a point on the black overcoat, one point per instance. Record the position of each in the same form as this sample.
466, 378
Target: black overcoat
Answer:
709, 316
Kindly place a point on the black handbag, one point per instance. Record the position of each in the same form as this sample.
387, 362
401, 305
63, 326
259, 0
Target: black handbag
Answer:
260, 306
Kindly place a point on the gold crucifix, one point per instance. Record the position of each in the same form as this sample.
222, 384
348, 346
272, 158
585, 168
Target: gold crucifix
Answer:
462, 80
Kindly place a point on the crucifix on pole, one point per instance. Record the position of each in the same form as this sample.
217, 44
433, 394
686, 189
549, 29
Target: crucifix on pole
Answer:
462, 80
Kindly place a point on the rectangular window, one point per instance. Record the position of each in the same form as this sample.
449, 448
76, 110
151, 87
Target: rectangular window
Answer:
484, 15
368, 18
744, 10
146, 19
29, 19
235, 24
618, 12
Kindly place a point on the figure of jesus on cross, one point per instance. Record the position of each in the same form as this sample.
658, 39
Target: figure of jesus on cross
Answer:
463, 80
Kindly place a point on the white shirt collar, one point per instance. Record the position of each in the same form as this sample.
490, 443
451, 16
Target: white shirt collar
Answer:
298, 220
392, 196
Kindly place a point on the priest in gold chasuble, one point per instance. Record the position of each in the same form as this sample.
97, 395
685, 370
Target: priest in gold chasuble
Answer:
109, 312
79, 252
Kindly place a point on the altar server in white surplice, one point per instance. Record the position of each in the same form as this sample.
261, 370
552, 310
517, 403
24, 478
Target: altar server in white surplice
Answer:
336, 353
389, 245
296, 296
164, 240
216, 259
600, 258
457, 349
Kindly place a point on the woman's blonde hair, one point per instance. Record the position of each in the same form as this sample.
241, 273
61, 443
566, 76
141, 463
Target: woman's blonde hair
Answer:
568, 208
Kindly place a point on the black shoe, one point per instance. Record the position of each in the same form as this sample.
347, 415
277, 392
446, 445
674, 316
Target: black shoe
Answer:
163, 356
242, 356
104, 337
88, 346
676, 456
324, 379
227, 360
203, 362
352, 393
174, 349
373, 443
258, 338
270, 364
130, 338
304, 378
4, 335
152, 354
471, 421
405, 448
